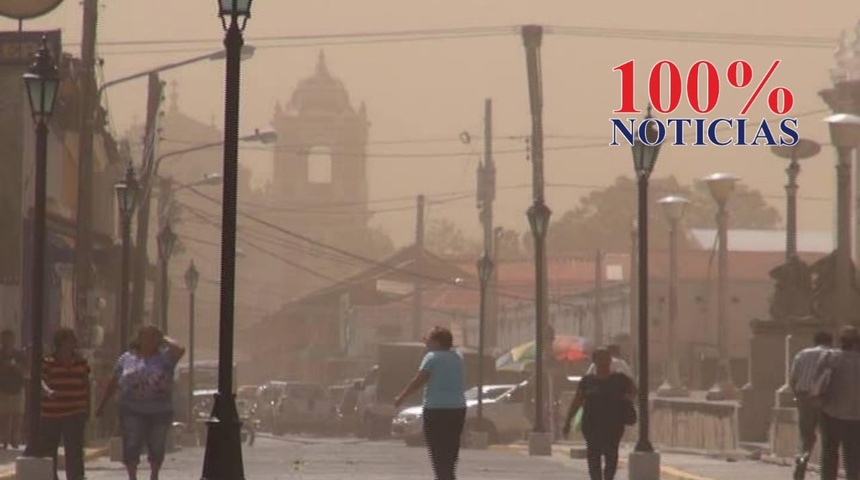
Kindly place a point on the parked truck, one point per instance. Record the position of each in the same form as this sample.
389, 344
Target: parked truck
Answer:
396, 364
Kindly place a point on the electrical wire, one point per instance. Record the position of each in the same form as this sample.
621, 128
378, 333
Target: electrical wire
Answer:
379, 37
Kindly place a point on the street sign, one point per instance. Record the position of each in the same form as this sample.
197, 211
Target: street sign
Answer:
18, 48
27, 9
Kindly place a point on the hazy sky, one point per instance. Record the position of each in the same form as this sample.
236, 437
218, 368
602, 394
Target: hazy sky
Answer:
420, 95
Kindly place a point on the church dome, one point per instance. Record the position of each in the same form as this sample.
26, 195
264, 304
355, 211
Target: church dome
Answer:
320, 93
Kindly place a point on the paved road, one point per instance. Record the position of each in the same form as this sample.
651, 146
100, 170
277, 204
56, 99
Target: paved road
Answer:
290, 458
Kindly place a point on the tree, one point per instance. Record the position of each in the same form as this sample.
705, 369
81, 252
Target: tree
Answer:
747, 209
374, 243
508, 245
604, 218
444, 237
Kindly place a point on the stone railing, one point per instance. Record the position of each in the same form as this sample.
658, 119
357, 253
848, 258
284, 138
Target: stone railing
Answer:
694, 423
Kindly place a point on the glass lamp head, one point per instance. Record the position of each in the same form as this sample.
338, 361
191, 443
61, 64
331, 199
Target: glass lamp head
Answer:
192, 276
645, 152
234, 8
538, 215
721, 186
844, 129
166, 242
42, 81
674, 207
485, 268
127, 191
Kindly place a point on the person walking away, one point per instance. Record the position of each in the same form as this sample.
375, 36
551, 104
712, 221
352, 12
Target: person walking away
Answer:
801, 379
604, 397
838, 392
619, 365
13, 375
144, 378
442, 375
65, 403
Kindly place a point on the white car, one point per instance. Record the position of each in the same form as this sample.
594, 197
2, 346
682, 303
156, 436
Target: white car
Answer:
503, 413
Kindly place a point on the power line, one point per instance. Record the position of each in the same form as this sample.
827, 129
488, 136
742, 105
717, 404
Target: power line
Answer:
352, 255
316, 40
211, 220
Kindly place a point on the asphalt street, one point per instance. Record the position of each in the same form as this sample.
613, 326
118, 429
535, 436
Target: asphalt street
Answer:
292, 457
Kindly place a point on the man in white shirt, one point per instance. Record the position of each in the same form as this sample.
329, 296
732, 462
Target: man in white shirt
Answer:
619, 365
802, 375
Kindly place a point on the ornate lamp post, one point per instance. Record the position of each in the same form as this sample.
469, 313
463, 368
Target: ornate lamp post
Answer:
540, 442
166, 242
539, 215
127, 191
845, 136
42, 82
192, 276
674, 208
485, 272
803, 149
223, 456
843, 98
722, 185
644, 461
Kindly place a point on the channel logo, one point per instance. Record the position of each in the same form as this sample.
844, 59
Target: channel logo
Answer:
703, 131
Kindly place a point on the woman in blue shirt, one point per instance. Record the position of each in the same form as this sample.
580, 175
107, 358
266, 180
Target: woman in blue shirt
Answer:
144, 378
441, 375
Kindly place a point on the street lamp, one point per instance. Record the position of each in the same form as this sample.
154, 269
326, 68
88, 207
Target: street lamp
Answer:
644, 461
803, 149
539, 215
540, 441
85, 175
845, 136
223, 456
42, 83
721, 186
192, 277
674, 208
127, 191
485, 271
166, 242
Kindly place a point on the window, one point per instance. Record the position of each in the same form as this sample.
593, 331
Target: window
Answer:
319, 165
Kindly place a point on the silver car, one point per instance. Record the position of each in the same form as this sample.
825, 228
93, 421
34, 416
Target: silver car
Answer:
503, 415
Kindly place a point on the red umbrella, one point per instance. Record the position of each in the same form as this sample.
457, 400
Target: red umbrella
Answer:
571, 348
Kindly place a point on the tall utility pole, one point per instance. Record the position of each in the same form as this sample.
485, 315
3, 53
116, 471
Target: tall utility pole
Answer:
165, 191
598, 297
486, 197
140, 262
88, 109
418, 297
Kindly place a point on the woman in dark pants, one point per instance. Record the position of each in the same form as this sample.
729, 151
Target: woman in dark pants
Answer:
441, 375
603, 395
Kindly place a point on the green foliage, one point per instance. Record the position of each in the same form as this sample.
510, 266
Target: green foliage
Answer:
443, 237
603, 219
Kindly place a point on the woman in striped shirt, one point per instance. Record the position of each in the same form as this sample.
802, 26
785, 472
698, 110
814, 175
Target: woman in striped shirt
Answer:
65, 402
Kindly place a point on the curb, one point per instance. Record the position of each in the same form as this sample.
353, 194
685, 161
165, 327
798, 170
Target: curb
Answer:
666, 472
90, 454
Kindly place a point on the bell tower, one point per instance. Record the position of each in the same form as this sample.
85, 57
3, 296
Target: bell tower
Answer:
320, 162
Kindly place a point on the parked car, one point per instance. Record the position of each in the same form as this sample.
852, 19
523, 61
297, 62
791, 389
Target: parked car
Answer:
504, 415
304, 407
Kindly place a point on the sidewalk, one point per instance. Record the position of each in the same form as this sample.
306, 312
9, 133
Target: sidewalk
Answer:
681, 466
7, 459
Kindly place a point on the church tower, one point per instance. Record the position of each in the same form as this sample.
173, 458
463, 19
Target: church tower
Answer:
320, 163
